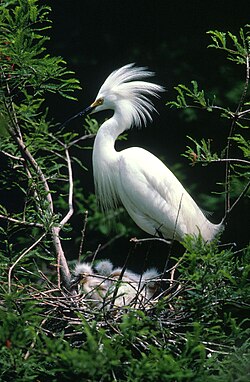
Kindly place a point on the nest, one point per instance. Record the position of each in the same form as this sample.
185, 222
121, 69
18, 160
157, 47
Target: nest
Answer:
103, 300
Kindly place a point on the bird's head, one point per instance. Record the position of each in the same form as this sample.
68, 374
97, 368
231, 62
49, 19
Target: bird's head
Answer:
125, 90
102, 102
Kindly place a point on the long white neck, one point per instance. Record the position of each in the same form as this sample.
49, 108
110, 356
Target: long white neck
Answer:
105, 160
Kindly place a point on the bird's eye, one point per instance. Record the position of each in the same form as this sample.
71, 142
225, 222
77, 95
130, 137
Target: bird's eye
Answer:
100, 101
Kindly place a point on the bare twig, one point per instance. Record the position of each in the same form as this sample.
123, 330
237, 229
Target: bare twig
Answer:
227, 167
243, 193
135, 240
27, 354
74, 142
83, 235
21, 222
20, 258
29, 157
61, 260
241, 161
96, 253
11, 112
70, 197
12, 156
174, 234
109, 242
83, 138
114, 295
242, 113
173, 269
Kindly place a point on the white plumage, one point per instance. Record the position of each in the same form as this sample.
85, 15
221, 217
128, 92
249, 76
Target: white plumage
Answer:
104, 286
150, 192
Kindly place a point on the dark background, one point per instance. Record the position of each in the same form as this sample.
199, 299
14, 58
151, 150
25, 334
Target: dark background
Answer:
96, 37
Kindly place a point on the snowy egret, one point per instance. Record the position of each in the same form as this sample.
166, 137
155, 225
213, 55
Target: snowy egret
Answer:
149, 191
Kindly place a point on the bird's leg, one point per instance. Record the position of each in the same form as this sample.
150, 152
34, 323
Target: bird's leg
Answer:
159, 233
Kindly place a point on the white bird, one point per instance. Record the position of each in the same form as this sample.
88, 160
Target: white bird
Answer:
150, 192
99, 285
94, 288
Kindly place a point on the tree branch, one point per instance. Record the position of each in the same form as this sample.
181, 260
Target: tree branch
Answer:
21, 222
83, 235
236, 160
56, 230
70, 198
15, 132
229, 142
12, 156
88, 136
243, 193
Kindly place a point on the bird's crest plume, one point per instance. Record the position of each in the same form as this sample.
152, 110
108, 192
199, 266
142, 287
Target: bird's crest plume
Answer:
127, 84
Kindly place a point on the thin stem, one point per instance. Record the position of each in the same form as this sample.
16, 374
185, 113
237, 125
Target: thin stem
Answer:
236, 160
243, 193
88, 136
109, 242
26, 356
61, 260
227, 168
21, 222
20, 258
229, 142
70, 197
242, 113
135, 240
12, 112
83, 235
28, 156
244, 93
38, 206
12, 156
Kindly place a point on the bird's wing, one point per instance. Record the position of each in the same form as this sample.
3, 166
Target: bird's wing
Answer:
153, 196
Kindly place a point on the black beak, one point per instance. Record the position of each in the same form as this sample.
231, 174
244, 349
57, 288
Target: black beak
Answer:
75, 280
82, 113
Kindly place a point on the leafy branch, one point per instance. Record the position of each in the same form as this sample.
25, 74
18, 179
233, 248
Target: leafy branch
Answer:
194, 95
238, 49
40, 158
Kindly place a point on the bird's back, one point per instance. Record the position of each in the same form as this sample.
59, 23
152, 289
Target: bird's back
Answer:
156, 200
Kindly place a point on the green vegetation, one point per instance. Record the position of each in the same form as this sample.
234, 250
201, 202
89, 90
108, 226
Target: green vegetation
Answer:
197, 328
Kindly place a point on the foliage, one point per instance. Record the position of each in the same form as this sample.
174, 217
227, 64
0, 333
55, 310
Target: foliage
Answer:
196, 329
237, 167
37, 154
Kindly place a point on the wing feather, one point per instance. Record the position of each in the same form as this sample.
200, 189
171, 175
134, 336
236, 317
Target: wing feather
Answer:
155, 198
